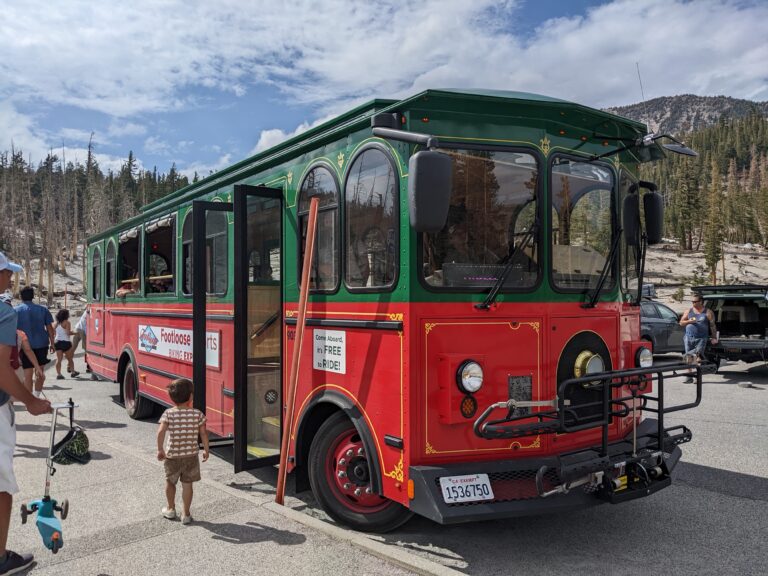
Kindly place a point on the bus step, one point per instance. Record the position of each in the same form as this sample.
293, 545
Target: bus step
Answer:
260, 449
270, 429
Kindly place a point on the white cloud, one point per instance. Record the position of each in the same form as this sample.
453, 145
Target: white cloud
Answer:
155, 145
118, 129
275, 136
113, 57
204, 169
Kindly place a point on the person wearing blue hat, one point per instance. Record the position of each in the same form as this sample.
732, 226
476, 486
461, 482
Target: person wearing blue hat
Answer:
10, 385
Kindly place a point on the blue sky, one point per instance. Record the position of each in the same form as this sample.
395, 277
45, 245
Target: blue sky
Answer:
206, 84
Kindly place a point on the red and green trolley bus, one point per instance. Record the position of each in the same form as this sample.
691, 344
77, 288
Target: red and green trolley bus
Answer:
473, 339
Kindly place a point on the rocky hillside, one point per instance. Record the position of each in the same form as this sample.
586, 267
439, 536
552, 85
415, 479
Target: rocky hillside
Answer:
686, 113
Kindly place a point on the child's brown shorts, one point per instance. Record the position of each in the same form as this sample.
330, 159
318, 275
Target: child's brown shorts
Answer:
186, 468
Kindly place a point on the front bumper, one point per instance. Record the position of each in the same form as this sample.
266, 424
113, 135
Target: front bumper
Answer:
744, 349
514, 482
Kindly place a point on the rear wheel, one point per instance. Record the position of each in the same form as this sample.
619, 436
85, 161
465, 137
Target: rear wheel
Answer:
136, 405
340, 477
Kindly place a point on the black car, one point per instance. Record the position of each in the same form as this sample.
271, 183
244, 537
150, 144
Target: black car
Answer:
741, 315
660, 325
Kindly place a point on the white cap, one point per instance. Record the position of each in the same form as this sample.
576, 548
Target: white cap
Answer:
6, 264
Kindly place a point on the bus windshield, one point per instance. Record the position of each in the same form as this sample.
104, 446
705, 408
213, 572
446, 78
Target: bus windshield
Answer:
493, 205
583, 216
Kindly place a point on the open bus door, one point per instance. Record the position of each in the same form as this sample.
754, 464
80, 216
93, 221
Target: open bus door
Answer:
258, 264
96, 328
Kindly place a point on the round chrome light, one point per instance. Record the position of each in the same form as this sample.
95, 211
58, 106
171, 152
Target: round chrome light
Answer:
643, 357
469, 377
587, 362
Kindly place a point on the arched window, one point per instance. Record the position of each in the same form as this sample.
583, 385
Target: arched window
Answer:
109, 288
216, 253
96, 274
324, 274
372, 226
186, 255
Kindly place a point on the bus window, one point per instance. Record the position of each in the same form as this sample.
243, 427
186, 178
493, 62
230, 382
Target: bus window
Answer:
128, 262
186, 254
159, 265
109, 287
324, 274
216, 253
371, 202
582, 222
96, 275
494, 203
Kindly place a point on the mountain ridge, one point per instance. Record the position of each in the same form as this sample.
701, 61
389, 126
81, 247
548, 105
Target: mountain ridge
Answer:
686, 113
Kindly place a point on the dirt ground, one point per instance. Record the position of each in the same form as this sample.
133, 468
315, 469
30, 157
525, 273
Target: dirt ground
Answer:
674, 272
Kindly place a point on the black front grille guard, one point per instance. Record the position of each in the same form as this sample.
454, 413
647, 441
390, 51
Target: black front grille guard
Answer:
623, 470
618, 389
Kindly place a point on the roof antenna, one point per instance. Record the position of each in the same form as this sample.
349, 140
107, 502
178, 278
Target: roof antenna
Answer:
642, 92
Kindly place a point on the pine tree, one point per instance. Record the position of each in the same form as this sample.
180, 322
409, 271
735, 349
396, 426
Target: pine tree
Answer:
713, 228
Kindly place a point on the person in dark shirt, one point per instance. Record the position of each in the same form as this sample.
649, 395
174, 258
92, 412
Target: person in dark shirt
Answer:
37, 323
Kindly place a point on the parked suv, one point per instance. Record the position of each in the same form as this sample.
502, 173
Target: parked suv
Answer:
741, 314
660, 325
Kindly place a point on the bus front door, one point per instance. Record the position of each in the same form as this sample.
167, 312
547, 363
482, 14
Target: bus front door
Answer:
258, 263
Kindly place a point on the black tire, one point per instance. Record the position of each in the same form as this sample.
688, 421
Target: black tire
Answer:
136, 405
713, 362
364, 512
24, 513
64, 509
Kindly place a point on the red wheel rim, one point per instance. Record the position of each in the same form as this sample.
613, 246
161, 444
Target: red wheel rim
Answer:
348, 475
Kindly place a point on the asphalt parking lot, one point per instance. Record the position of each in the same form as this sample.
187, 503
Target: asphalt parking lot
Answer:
712, 520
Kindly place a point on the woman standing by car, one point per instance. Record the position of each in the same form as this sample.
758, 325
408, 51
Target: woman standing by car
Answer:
63, 344
699, 323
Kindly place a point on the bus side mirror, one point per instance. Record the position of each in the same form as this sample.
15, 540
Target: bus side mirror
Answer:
430, 176
631, 220
653, 205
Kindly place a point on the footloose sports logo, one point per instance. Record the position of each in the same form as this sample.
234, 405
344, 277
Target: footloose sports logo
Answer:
147, 339
177, 344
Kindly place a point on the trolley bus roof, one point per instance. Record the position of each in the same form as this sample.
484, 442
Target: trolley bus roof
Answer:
536, 107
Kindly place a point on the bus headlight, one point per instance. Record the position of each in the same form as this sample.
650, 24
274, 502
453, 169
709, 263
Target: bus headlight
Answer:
643, 357
587, 362
469, 377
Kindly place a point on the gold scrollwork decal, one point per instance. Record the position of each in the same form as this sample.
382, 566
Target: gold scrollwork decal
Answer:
290, 313
289, 178
535, 444
397, 471
428, 327
340, 159
544, 144
396, 317
429, 449
516, 325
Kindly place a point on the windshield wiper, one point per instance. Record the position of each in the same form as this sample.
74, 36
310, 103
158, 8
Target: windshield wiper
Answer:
604, 273
527, 239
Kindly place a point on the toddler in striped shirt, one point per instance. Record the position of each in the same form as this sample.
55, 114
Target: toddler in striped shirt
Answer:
182, 424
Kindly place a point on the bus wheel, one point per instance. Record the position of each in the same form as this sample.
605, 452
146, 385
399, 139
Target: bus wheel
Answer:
341, 479
136, 405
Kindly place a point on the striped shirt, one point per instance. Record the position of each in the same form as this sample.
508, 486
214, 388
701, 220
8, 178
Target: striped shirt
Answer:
183, 428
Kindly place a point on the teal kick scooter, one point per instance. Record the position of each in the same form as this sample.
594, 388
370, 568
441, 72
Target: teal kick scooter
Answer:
72, 448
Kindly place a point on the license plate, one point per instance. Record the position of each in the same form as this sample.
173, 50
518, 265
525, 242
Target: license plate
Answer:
469, 488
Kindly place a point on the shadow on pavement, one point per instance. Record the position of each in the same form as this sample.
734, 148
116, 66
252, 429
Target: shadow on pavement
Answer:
250, 533
721, 481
